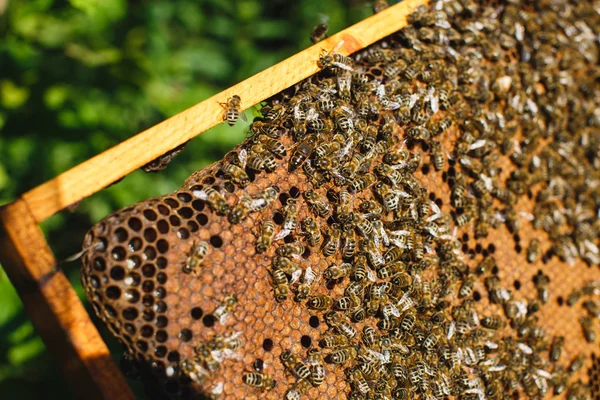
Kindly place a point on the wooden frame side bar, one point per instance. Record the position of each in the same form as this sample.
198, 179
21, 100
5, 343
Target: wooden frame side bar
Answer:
55, 310
100, 171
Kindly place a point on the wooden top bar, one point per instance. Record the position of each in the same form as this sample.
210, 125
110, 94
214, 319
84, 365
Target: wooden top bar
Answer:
100, 171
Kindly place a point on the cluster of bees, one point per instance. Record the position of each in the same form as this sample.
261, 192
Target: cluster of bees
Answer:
465, 90
406, 325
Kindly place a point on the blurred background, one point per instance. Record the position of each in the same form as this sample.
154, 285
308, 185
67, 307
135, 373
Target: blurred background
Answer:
79, 76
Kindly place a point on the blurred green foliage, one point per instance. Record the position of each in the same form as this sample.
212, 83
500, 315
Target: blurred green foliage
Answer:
79, 76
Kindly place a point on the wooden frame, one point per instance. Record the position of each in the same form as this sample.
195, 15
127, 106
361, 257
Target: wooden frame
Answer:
47, 295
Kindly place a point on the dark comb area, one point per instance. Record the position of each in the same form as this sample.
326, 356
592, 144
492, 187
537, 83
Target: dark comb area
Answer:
419, 220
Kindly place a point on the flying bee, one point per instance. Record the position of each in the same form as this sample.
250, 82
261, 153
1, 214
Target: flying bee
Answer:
241, 210
293, 364
305, 287
312, 232
589, 332
334, 60
533, 250
379, 6
232, 110
319, 33
320, 302
195, 257
258, 380
318, 205
237, 174
225, 308
316, 366
437, 155
343, 355
332, 243
215, 200
302, 152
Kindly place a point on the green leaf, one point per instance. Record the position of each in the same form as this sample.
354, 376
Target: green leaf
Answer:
11, 95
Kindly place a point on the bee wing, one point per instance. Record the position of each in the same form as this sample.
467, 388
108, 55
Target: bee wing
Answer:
243, 156
243, 116
201, 194
296, 276
343, 66
337, 46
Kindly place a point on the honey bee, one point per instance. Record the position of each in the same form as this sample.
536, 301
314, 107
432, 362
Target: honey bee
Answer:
272, 145
232, 110
286, 265
333, 60
225, 308
318, 205
276, 112
492, 323
280, 285
362, 182
241, 210
319, 33
259, 380
237, 174
194, 370
266, 236
467, 287
333, 341
340, 323
312, 232
343, 355
533, 250
541, 282
379, 6
337, 271
195, 257
293, 364
358, 381
556, 348
437, 156
577, 363
302, 152
589, 332
305, 287
316, 366
332, 243
215, 200
290, 219
298, 389
320, 302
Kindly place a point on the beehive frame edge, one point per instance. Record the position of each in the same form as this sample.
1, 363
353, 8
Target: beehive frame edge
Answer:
47, 295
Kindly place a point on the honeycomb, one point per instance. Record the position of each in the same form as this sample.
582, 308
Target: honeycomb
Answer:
420, 220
